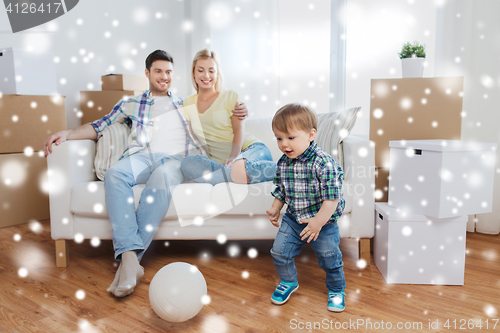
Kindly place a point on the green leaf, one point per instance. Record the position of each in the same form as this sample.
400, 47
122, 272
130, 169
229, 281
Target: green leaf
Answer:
412, 50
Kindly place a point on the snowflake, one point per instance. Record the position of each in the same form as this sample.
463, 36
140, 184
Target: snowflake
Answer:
221, 239
252, 253
80, 294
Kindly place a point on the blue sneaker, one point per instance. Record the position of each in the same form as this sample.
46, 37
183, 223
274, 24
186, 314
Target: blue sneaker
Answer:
336, 301
283, 292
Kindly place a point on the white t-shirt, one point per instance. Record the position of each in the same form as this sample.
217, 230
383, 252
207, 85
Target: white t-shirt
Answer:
169, 135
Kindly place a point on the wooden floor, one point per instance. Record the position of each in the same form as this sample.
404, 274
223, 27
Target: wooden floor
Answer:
45, 300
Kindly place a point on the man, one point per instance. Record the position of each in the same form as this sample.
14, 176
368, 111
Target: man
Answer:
160, 139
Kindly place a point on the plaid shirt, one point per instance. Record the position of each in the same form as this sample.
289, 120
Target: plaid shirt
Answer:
138, 112
303, 183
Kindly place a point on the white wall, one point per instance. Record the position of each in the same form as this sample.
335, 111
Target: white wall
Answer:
273, 52
134, 30
469, 45
304, 34
376, 30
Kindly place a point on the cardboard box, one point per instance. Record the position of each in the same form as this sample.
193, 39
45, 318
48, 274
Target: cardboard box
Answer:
97, 104
27, 73
417, 249
28, 120
22, 194
124, 82
442, 178
414, 109
381, 184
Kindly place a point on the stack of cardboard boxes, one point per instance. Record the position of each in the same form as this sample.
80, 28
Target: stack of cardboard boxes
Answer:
420, 233
428, 181
96, 104
31, 110
412, 109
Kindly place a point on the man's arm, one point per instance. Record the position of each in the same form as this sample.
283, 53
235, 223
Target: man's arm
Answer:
83, 132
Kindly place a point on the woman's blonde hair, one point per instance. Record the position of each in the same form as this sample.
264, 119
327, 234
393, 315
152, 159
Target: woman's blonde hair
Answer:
295, 116
207, 54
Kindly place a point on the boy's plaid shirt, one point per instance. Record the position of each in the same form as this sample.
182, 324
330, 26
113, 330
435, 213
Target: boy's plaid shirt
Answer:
305, 182
138, 113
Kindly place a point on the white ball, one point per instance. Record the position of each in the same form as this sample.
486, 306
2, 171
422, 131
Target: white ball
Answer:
176, 292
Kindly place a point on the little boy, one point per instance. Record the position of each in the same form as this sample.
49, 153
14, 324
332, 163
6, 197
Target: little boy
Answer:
310, 182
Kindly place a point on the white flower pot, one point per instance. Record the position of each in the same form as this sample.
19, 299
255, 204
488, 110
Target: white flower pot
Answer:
413, 67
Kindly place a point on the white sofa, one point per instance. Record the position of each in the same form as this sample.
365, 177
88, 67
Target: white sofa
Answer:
200, 211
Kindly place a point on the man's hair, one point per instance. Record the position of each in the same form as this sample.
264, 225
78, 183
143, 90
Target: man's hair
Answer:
158, 55
295, 116
207, 54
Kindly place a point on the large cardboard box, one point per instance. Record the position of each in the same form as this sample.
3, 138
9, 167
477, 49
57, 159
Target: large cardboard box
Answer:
124, 82
381, 184
23, 188
414, 109
96, 104
28, 120
417, 249
27, 73
442, 178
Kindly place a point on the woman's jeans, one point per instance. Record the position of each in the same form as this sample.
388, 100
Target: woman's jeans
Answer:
134, 230
288, 244
259, 167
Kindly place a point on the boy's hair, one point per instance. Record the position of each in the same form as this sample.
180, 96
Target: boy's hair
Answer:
295, 116
158, 55
207, 54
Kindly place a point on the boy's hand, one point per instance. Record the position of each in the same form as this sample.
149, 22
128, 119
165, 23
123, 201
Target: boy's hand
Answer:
312, 229
274, 215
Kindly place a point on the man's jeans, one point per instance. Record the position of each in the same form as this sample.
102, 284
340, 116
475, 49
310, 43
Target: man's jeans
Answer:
259, 166
134, 230
288, 244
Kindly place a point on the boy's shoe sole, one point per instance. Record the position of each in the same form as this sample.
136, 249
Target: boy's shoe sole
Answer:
335, 309
284, 301
332, 306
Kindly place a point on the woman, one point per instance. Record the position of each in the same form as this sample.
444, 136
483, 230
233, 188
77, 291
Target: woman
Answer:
234, 154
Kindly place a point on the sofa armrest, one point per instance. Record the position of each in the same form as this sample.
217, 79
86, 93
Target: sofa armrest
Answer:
359, 171
69, 163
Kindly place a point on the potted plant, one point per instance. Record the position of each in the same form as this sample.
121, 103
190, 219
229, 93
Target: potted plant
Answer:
412, 59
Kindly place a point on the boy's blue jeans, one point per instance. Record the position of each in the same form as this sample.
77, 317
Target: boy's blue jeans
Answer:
134, 230
288, 244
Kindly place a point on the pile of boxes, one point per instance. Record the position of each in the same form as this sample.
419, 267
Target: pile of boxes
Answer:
412, 109
427, 181
96, 104
433, 185
31, 110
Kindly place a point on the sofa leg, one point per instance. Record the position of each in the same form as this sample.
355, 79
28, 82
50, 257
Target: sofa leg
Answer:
364, 250
62, 253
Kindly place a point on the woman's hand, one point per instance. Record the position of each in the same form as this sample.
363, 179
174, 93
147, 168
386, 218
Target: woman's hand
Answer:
229, 161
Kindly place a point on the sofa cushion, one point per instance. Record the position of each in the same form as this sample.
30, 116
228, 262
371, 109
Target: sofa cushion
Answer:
87, 199
191, 202
110, 146
333, 128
